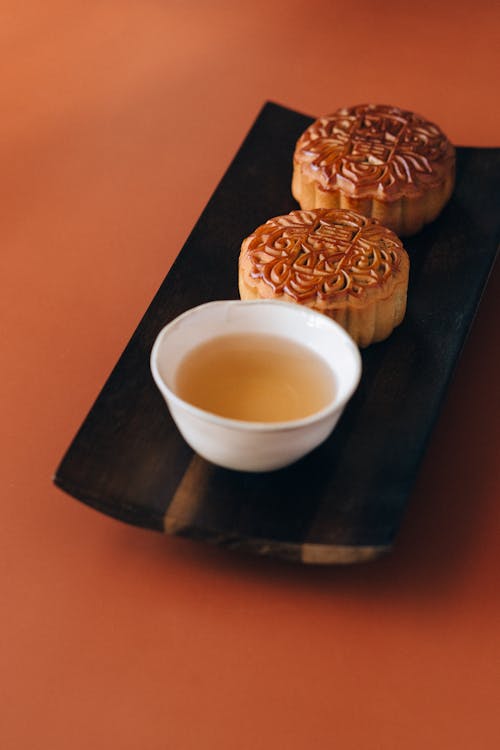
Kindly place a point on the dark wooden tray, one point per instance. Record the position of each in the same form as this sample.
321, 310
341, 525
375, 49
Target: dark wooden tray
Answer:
344, 502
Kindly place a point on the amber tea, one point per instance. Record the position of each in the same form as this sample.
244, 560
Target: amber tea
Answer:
255, 377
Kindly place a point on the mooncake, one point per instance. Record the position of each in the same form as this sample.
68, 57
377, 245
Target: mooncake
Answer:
337, 261
382, 161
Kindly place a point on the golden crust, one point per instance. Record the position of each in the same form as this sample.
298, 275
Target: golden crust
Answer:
381, 161
338, 262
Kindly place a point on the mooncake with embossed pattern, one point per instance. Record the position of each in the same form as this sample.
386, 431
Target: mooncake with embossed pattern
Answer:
385, 162
339, 262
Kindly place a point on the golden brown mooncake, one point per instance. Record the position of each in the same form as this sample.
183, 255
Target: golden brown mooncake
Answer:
345, 265
382, 161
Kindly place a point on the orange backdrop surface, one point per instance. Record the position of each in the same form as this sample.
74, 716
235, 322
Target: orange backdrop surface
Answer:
118, 118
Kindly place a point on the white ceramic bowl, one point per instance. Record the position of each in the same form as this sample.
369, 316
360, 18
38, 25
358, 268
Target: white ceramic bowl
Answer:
254, 446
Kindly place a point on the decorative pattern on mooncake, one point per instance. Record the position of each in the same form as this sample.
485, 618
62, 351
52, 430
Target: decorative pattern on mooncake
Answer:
386, 162
339, 262
315, 254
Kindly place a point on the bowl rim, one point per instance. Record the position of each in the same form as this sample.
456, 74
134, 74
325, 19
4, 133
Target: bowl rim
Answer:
255, 426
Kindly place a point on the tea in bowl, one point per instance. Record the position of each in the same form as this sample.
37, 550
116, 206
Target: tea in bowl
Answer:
254, 385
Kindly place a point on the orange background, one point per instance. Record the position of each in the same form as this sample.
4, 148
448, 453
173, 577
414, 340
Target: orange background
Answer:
118, 118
